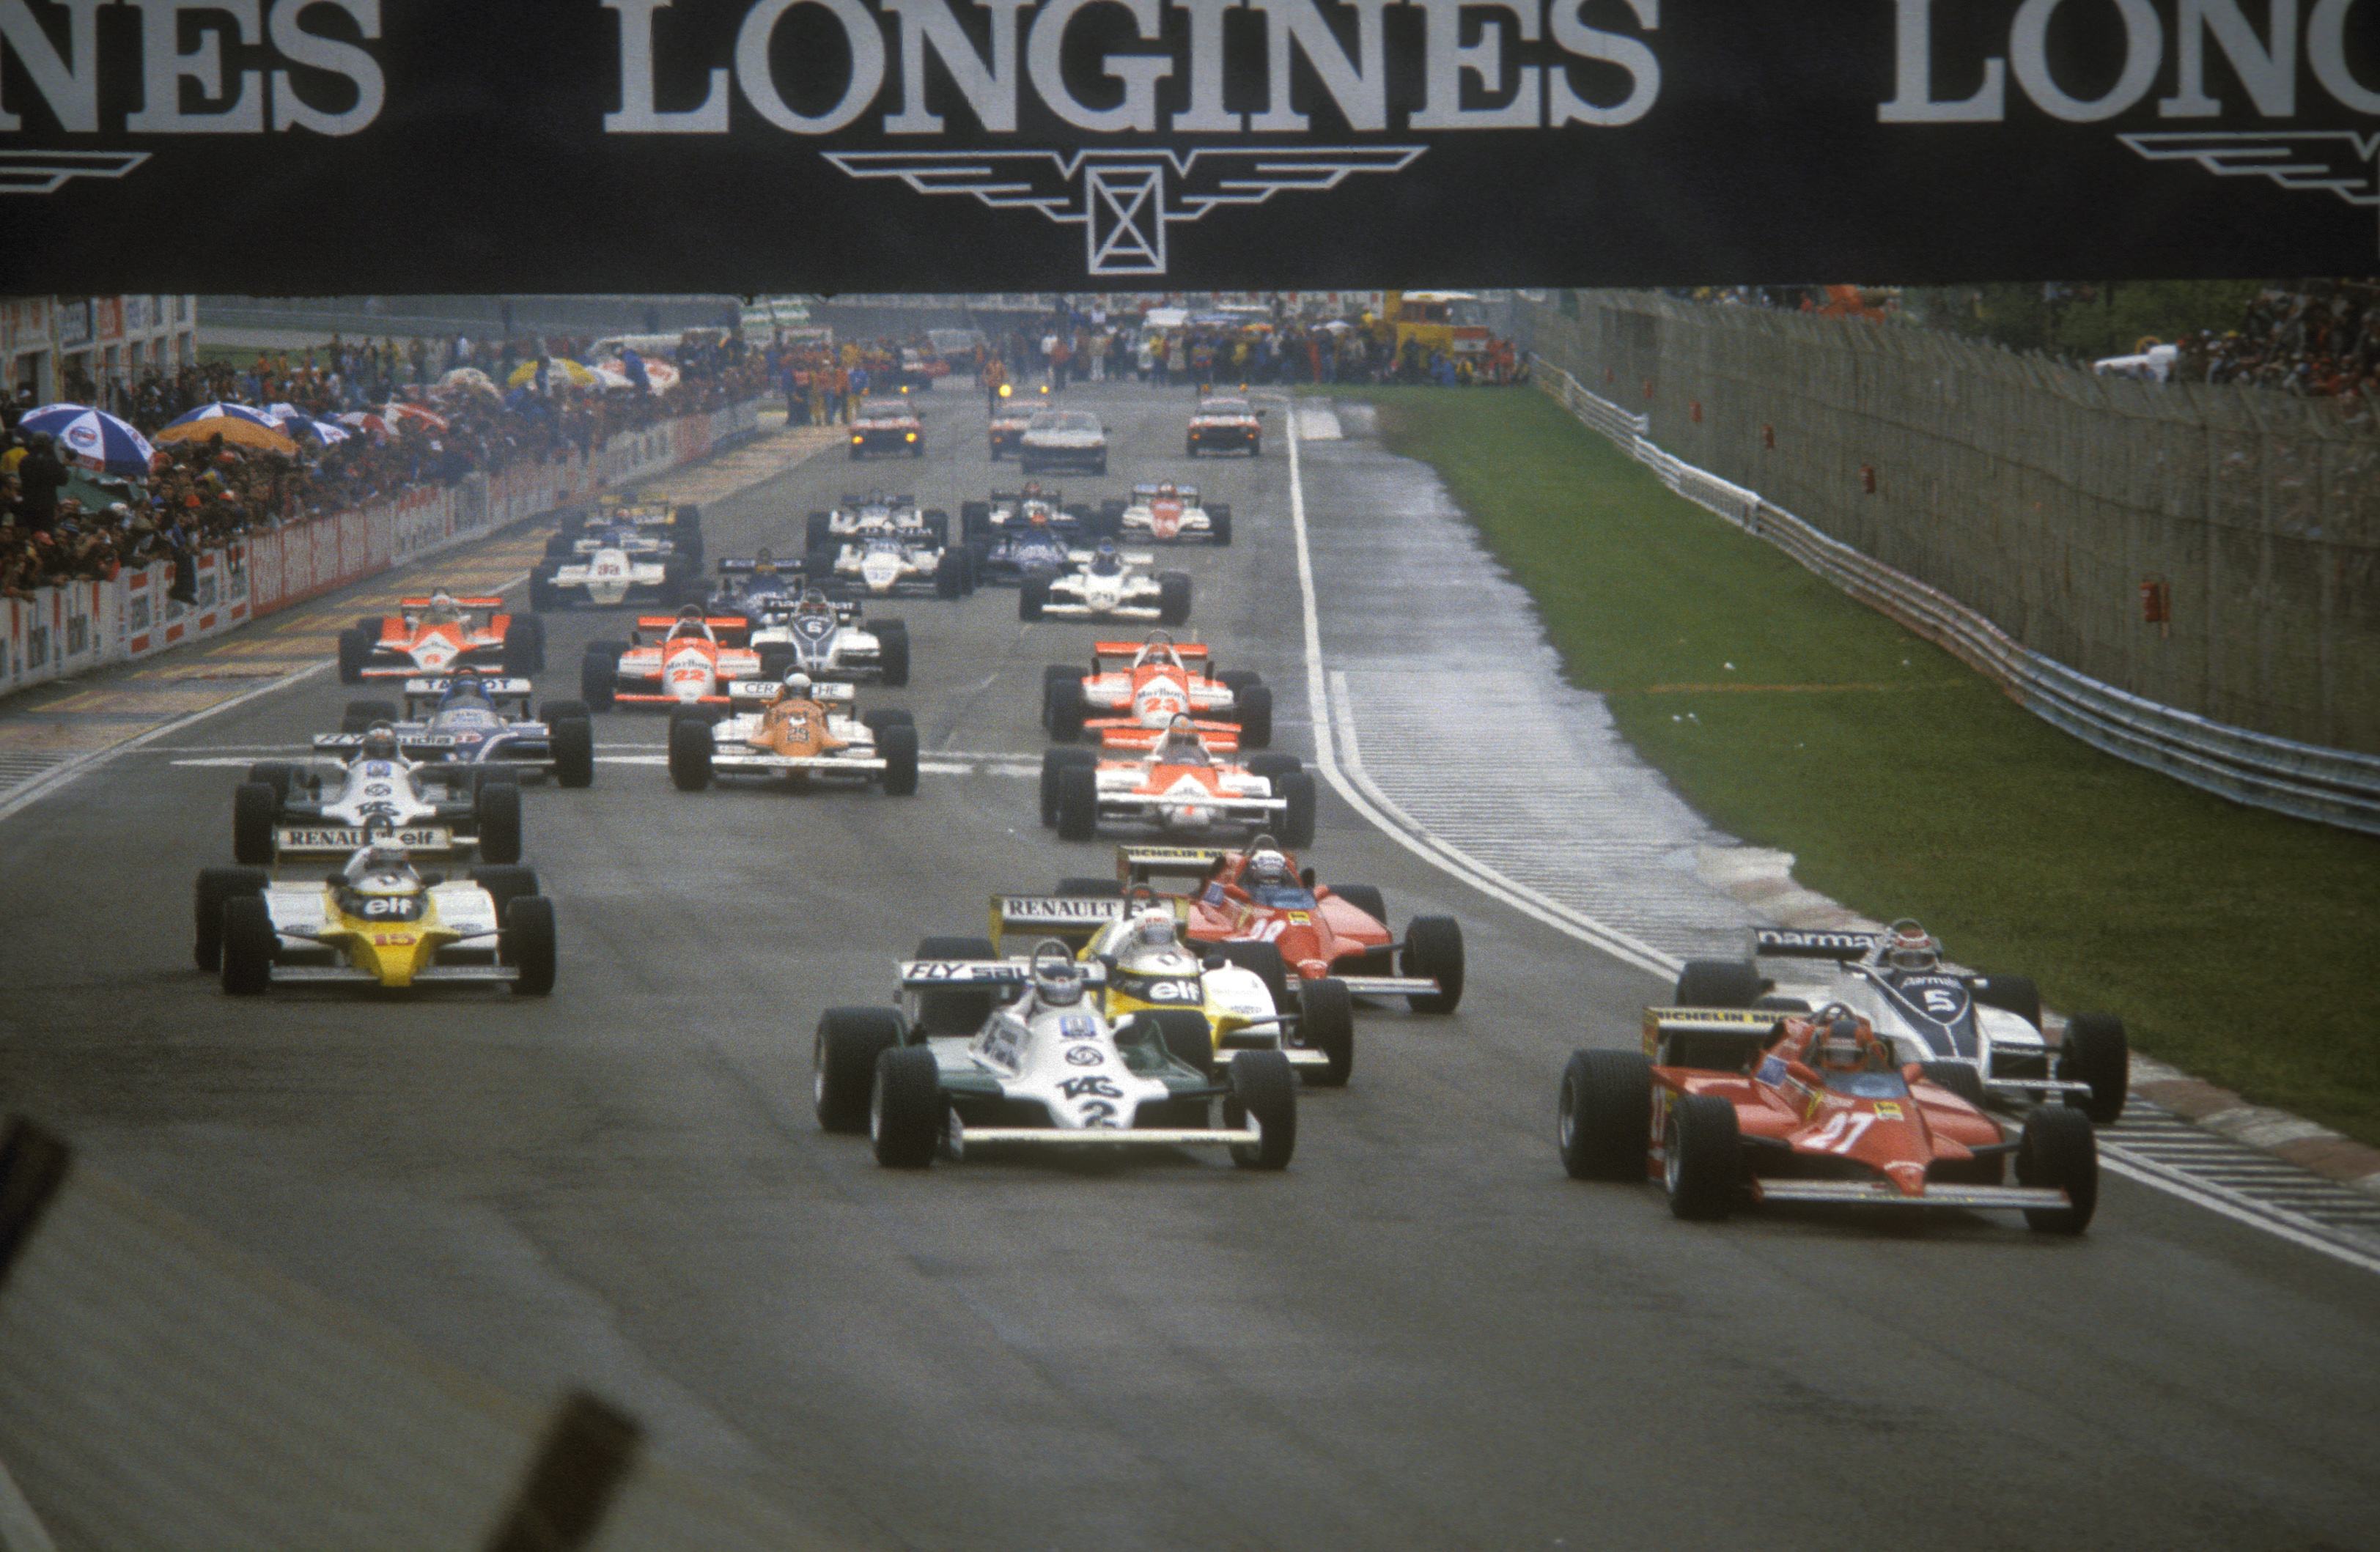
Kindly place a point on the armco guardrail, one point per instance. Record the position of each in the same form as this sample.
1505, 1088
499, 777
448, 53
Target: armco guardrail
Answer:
82, 625
2333, 786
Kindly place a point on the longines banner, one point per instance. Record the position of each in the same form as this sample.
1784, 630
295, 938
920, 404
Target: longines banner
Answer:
887, 145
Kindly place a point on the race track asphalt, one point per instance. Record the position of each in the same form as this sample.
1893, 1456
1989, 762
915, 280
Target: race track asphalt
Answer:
1422, 1335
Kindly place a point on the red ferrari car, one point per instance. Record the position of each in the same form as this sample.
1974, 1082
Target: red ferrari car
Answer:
1725, 1105
439, 634
1258, 896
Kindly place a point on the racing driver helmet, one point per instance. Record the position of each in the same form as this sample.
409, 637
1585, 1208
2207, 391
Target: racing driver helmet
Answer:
1908, 946
1105, 561
1839, 1044
1152, 930
1181, 744
797, 685
1057, 983
813, 602
1270, 867
379, 742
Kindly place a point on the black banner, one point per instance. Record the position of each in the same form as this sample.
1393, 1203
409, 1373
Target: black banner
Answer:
293, 146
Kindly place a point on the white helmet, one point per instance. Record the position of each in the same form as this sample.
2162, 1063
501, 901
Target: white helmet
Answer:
798, 683
1266, 866
1153, 929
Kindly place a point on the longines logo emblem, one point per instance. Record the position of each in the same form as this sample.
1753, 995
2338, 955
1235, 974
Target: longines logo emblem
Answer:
45, 172
1123, 199
2338, 160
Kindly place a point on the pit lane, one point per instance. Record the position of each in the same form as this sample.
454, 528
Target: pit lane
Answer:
1422, 1335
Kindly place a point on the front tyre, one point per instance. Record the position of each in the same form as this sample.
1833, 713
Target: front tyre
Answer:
1702, 1157
897, 747
905, 1118
1263, 1091
1326, 1022
249, 942
253, 807
2096, 1052
843, 1063
527, 943
1717, 983
691, 745
1434, 951
1605, 1115
499, 804
2058, 1151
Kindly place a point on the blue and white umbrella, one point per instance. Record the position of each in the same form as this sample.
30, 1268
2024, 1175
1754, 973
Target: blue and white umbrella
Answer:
220, 411
323, 432
93, 438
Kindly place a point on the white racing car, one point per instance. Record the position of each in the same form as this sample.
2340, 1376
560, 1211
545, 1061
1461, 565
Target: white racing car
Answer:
605, 567
875, 513
1171, 513
833, 640
985, 1051
883, 564
1107, 584
285, 810
1987, 1026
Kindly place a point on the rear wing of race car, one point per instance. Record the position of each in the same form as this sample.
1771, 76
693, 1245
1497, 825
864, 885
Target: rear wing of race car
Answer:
752, 693
1187, 494
411, 604
722, 625
1779, 942
926, 975
1707, 1039
1114, 656
1142, 865
738, 567
1221, 738
412, 744
1072, 919
300, 840
1129, 557
518, 691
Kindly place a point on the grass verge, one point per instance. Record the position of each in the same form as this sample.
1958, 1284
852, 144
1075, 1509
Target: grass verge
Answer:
2235, 943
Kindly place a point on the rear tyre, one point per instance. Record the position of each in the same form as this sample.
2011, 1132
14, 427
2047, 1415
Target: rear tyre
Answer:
1605, 1115
1172, 596
1264, 1090
277, 774
1032, 597
499, 804
897, 747
1702, 1157
843, 1063
1960, 1078
599, 676
2058, 1151
1327, 1022
1434, 950
776, 656
1069, 707
817, 531
1078, 803
1090, 889
2013, 994
2096, 1052
249, 942
1253, 714
893, 653
955, 1013
1297, 820
691, 745
1219, 521
1365, 898
975, 521
524, 646
541, 594
1054, 764
1262, 960
355, 650
950, 574
905, 1118
1718, 983
253, 807
505, 885
572, 742
1189, 1039
361, 714
216, 886
527, 943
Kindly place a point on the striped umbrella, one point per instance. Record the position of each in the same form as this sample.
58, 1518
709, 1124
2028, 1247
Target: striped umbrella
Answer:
93, 438
221, 412
324, 431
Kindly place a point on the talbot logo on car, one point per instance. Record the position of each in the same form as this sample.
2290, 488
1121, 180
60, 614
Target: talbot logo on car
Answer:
1123, 199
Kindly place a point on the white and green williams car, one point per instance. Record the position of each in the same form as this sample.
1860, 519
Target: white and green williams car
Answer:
982, 1051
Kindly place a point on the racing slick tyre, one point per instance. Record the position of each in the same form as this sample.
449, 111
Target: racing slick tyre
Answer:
571, 740
2096, 1052
1366, 899
1032, 597
1270, 765
776, 656
565, 711
1326, 1022
1190, 448
355, 650
1605, 1115
897, 747
248, 944
893, 653
1054, 764
818, 530
1261, 959
955, 1013
361, 714
1078, 803
1089, 889
681, 582
1049, 679
1237, 679
885, 717
524, 646
277, 774
525, 942
2056, 1150
2011, 994
1068, 708
1297, 820
938, 523
905, 1112
1189, 1039
1434, 950
691, 745
373, 625
253, 805
598, 675
975, 521
1253, 711
1960, 1077
216, 886
843, 1063
1702, 1157
541, 599
561, 546
1718, 983
688, 515
1264, 1089
950, 574
1172, 596
505, 885
1106, 521
1256, 447
818, 569
1219, 525
1099, 469
500, 822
